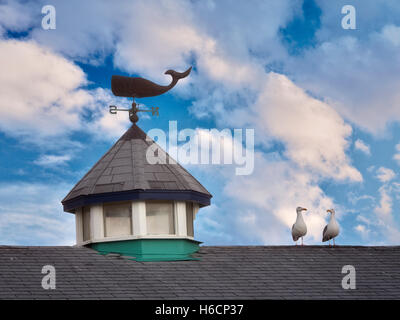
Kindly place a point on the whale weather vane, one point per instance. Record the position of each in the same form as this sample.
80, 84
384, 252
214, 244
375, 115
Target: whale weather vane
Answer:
136, 87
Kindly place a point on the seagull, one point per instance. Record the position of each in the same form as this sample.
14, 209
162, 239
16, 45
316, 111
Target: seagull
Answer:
299, 229
331, 230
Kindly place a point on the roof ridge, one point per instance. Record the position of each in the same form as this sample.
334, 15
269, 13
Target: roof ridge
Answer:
223, 274
224, 247
321, 246
33, 247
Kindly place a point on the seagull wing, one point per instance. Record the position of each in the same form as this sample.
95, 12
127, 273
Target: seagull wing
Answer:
294, 234
324, 237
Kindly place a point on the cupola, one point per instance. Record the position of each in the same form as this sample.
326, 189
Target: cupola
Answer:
128, 206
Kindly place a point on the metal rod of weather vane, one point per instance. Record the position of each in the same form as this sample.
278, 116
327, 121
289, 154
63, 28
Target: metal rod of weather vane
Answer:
154, 111
114, 109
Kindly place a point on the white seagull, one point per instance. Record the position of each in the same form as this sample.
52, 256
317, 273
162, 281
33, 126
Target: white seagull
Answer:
331, 230
299, 229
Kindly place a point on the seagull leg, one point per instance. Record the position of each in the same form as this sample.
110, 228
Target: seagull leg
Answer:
333, 241
301, 240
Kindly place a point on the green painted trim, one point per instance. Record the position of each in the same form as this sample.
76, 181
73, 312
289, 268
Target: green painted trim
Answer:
150, 249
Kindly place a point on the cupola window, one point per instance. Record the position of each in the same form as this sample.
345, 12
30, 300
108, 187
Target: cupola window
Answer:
160, 218
86, 223
118, 219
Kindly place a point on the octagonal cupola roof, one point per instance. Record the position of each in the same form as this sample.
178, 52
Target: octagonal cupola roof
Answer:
123, 173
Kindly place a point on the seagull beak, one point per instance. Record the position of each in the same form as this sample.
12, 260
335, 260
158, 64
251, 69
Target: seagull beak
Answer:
329, 210
304, 209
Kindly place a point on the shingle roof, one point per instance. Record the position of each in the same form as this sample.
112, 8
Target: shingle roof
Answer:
124, 167
257, 272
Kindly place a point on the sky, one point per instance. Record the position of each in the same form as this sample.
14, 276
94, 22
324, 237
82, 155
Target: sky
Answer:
323, 102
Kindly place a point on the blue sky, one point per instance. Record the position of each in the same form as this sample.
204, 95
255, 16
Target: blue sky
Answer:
323, 102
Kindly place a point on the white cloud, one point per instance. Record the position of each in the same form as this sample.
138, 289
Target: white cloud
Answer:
218, 66
260, 207
362, 146
385, 203
354, 199
42, 96
384, 215
397, 154
221, 66
229, 84
391, 33
356, 76
217, 147
385, 219
103, 125
263, 203
314, 135
357, 70
40, 90
385, 174
86, 31
371, 15
363, 219
52, 160
228, 53
313, 132
211, 226
179, 31
31, 214
272, 194
16, 16
364, 231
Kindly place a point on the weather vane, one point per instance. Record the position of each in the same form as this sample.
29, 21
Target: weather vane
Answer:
135, 87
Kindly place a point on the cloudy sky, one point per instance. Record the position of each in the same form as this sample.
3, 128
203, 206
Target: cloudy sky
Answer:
323, 102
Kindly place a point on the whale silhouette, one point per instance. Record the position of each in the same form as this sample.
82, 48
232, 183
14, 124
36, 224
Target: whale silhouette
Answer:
137, 87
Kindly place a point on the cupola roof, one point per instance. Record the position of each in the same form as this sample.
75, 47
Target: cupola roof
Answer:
123, 173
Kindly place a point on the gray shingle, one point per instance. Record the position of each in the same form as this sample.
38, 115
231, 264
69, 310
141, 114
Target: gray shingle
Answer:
241, 272
126, 164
